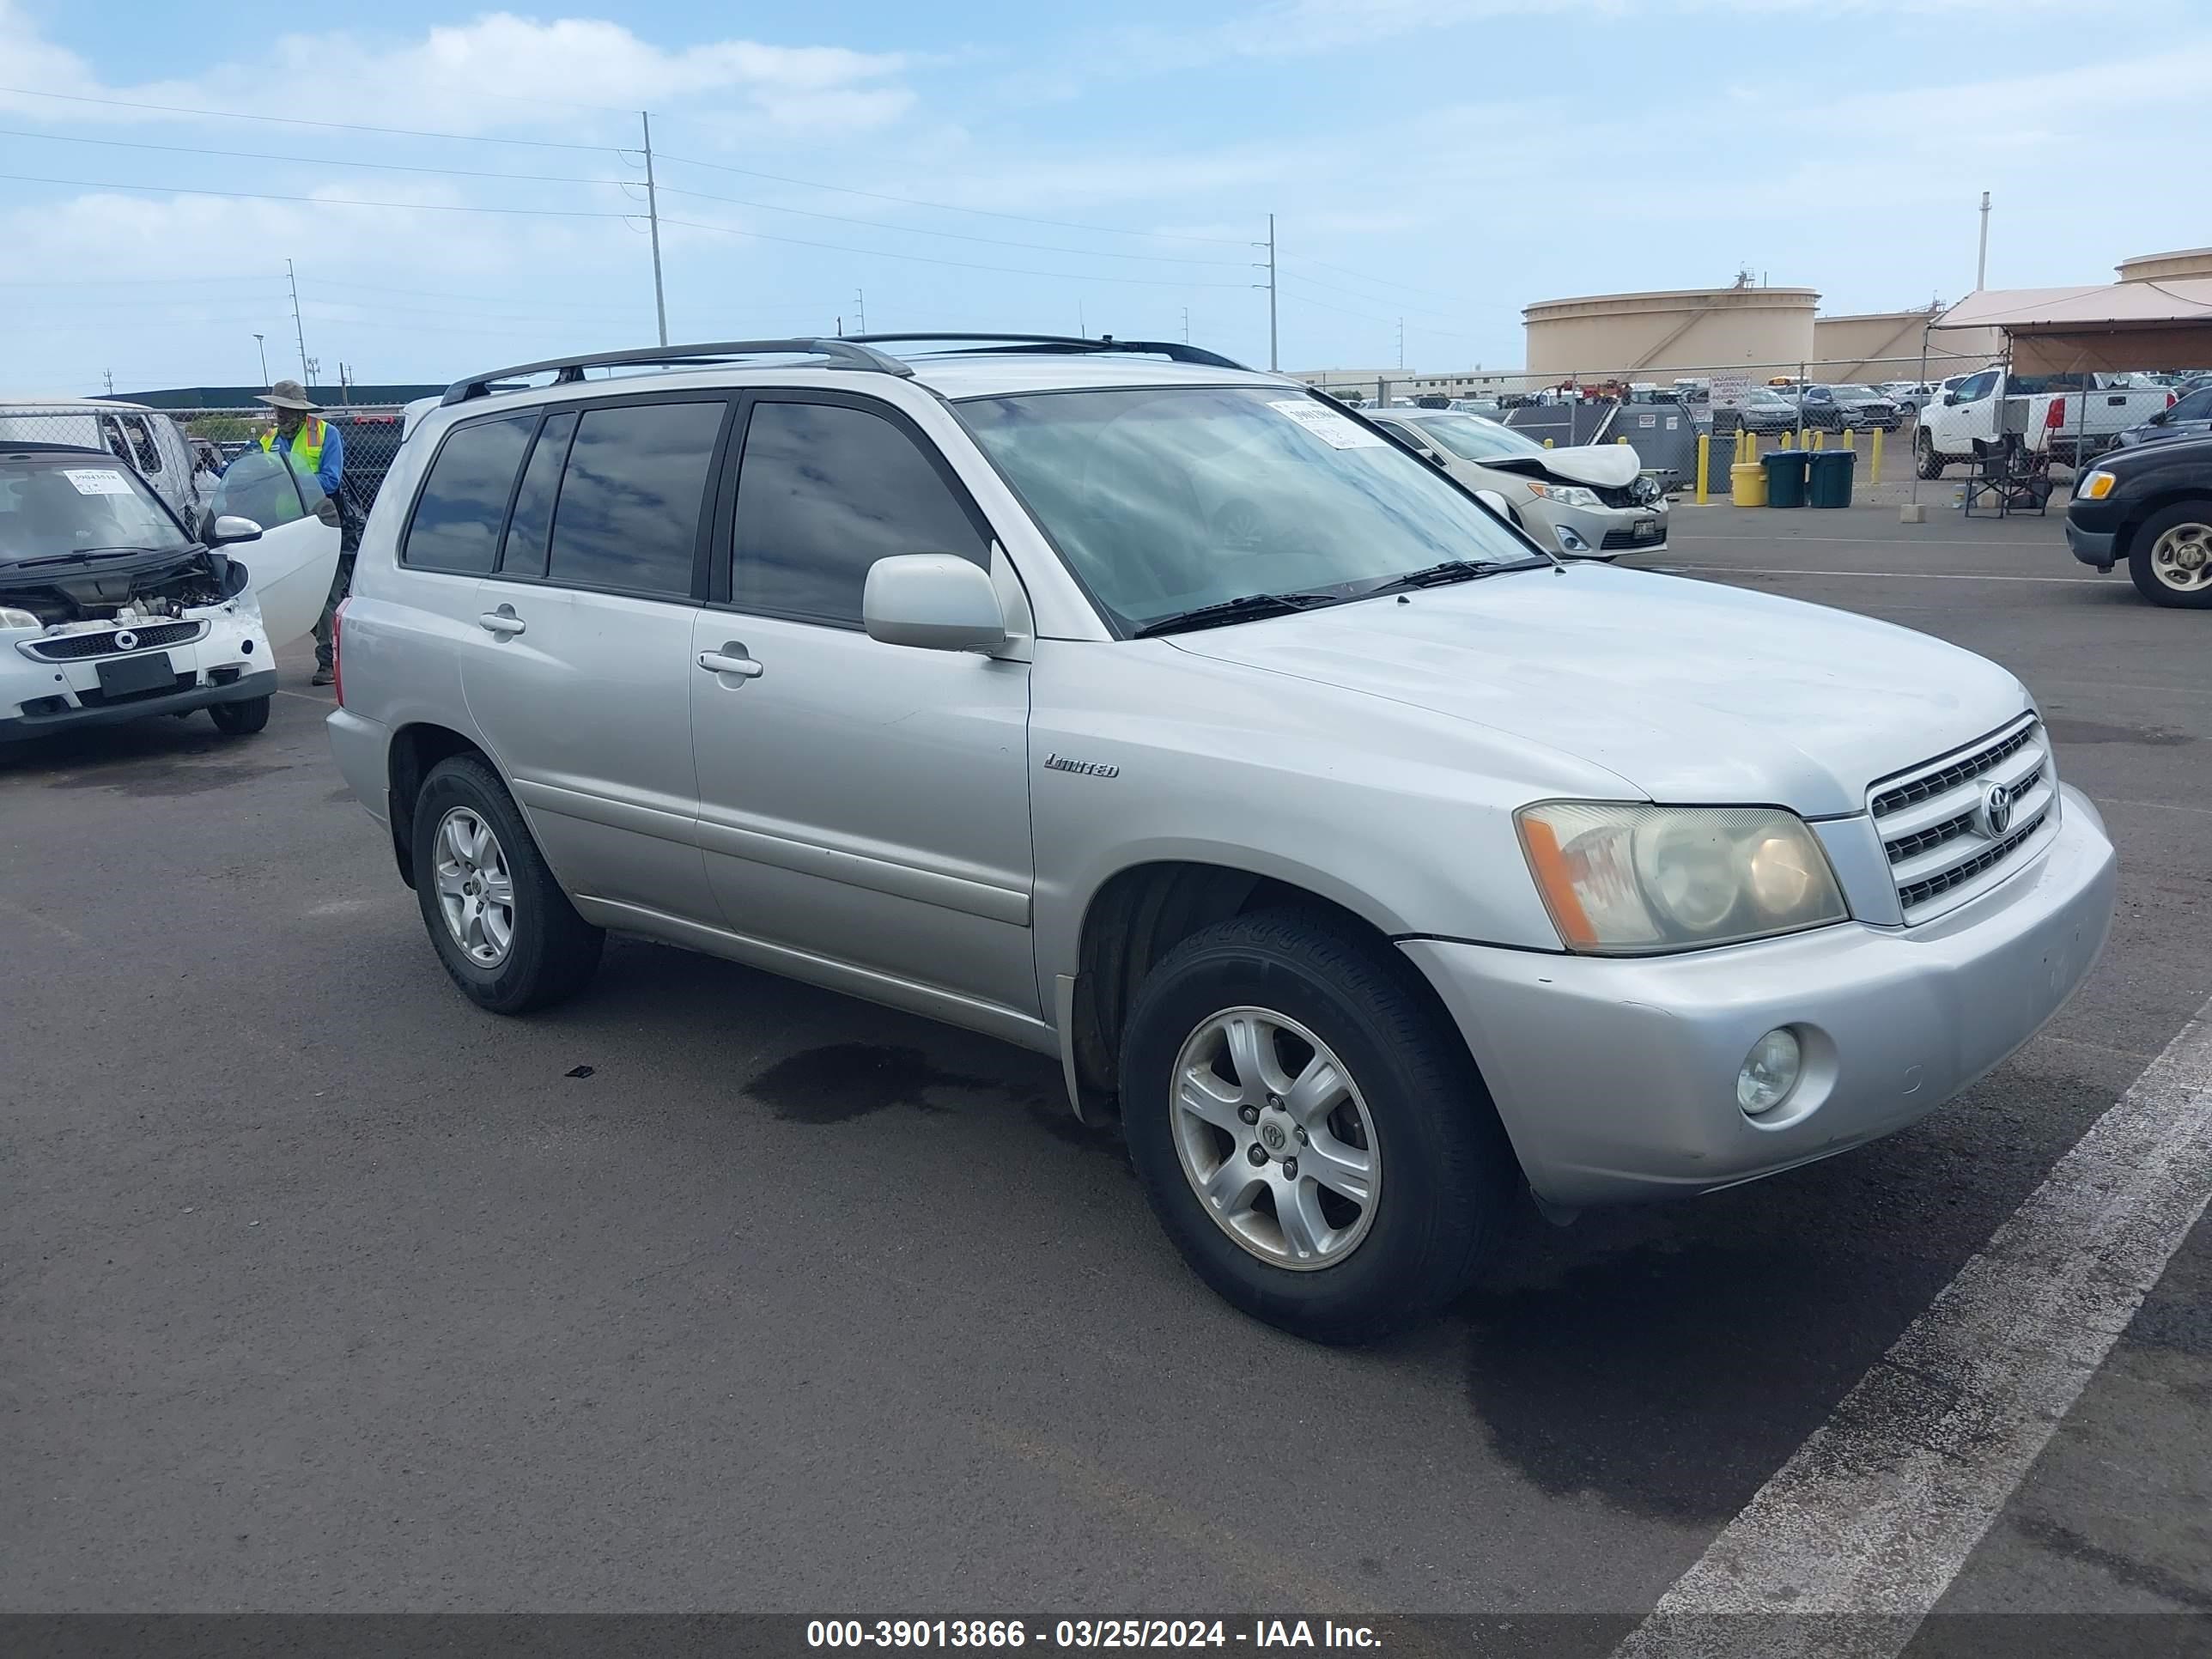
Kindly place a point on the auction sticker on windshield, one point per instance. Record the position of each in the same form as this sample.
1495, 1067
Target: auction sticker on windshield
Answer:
97, 481
1327, 425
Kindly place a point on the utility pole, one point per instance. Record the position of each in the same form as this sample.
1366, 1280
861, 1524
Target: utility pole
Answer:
263, 350
299, 330
1273, 364
861, 296
107, 375
1082, 328
653, 218
1982, 260
1401, 343
1186, 325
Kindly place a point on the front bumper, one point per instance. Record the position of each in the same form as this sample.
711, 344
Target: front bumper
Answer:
230, 662
1606, 533
1615, 1078
2090, 547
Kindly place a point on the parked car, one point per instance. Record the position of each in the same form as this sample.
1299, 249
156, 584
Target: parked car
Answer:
148, 440
1764, 409
1589, 501
113, 609
2066, 415
1164, 717
1910, 397
2190, 416
1846, 408
2150, 507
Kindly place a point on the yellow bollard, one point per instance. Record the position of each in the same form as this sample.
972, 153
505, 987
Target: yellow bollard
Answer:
1704, 464
1620, 440
1851, 442
1548, 443
1874, 460
1786, 444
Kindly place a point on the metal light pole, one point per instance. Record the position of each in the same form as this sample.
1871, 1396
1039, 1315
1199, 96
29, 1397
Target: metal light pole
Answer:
263, 350
653, 217
299, 328
1982, 259
1273, 364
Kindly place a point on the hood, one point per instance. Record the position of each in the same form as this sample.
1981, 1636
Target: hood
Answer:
1609, 466
1692, 691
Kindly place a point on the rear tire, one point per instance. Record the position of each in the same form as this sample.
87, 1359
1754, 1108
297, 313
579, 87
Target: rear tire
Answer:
2170, 555
1931, 463
1412, 1128
240, 720
542, 951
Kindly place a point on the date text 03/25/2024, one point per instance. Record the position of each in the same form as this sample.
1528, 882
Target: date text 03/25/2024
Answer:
1087, 1633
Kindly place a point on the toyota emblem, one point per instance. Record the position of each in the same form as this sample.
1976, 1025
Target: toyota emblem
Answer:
126, 641
1997, 810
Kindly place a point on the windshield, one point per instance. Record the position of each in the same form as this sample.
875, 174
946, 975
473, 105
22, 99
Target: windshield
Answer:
1473, 438
76, 504
1856, 394
1163, 500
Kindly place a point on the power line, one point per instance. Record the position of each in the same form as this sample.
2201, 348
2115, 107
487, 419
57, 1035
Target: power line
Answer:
944, 207
319, 201
958, 264
954, 235
302, 121
305, 160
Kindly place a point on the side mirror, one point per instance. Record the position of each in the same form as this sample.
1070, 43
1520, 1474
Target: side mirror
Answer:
1950, 400
1496, 504
937, 601
2158, 419
229, 528
1434, 458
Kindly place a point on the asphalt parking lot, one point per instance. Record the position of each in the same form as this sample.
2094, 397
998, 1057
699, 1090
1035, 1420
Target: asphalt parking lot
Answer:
325, 1292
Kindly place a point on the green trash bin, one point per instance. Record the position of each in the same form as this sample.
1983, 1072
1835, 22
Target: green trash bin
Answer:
1785, 477
1830, 484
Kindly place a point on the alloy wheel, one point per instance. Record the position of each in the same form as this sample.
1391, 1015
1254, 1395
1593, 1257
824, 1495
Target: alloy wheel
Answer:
1276, 1138
476, 892
2181, 559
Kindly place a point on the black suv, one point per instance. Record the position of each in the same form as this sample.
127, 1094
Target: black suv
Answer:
2152, 507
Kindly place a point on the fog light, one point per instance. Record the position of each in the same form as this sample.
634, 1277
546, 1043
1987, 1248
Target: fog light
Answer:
1770, 1073
1570, 542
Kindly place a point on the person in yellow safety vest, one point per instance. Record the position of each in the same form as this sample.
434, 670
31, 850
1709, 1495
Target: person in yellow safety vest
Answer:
316, 449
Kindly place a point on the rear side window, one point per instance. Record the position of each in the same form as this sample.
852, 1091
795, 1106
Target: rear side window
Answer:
632, 497
2196, 406
532, 519
456, 517
825, 491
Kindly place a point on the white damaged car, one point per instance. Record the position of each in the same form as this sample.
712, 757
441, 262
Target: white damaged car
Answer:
112, 609
1588, 501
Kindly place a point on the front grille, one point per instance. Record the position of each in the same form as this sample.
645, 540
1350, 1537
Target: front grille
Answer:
95, 698
1622, 541
75, 647
1938, 821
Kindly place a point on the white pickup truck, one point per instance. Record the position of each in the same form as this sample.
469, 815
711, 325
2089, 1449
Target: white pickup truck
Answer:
2053, 415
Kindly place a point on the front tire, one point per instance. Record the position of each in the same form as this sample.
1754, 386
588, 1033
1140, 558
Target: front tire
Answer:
500, 922
1931, 463
1310, 1129
2170, 556
240, 720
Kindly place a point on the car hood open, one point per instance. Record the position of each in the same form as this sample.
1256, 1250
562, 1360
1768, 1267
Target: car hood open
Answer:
1692, 691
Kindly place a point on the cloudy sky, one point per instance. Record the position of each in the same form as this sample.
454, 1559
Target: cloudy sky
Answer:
458, 188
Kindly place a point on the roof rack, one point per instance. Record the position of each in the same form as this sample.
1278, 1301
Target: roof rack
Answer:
569, 371
1173, 350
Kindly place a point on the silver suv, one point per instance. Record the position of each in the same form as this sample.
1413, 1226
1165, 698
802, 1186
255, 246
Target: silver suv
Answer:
1170, 719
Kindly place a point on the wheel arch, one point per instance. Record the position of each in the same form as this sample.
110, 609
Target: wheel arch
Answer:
1142, 911
2153, 503
415, 748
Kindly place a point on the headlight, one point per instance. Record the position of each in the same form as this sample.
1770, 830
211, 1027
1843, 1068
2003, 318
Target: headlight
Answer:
11, 617
1565, 495
2095, 488
1623, 880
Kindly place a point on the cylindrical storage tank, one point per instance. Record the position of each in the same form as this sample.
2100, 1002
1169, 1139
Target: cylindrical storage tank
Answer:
1676, 330
2159, 267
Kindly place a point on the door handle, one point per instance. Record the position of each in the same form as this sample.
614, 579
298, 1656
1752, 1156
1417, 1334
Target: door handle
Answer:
730, 659
501, 622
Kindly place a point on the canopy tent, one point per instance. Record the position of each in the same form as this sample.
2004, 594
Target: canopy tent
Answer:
2112, 326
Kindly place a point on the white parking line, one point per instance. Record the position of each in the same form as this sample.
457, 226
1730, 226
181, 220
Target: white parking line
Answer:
1887, 575
1874, 1514
308, 696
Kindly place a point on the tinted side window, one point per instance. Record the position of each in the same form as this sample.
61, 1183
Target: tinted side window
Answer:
1975, 388
632, 496
457, 515
532, 519
2196, 406
824, 491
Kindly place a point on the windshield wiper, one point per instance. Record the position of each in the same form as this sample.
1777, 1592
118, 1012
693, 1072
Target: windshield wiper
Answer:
81, 553
1242, 609
1459, 570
